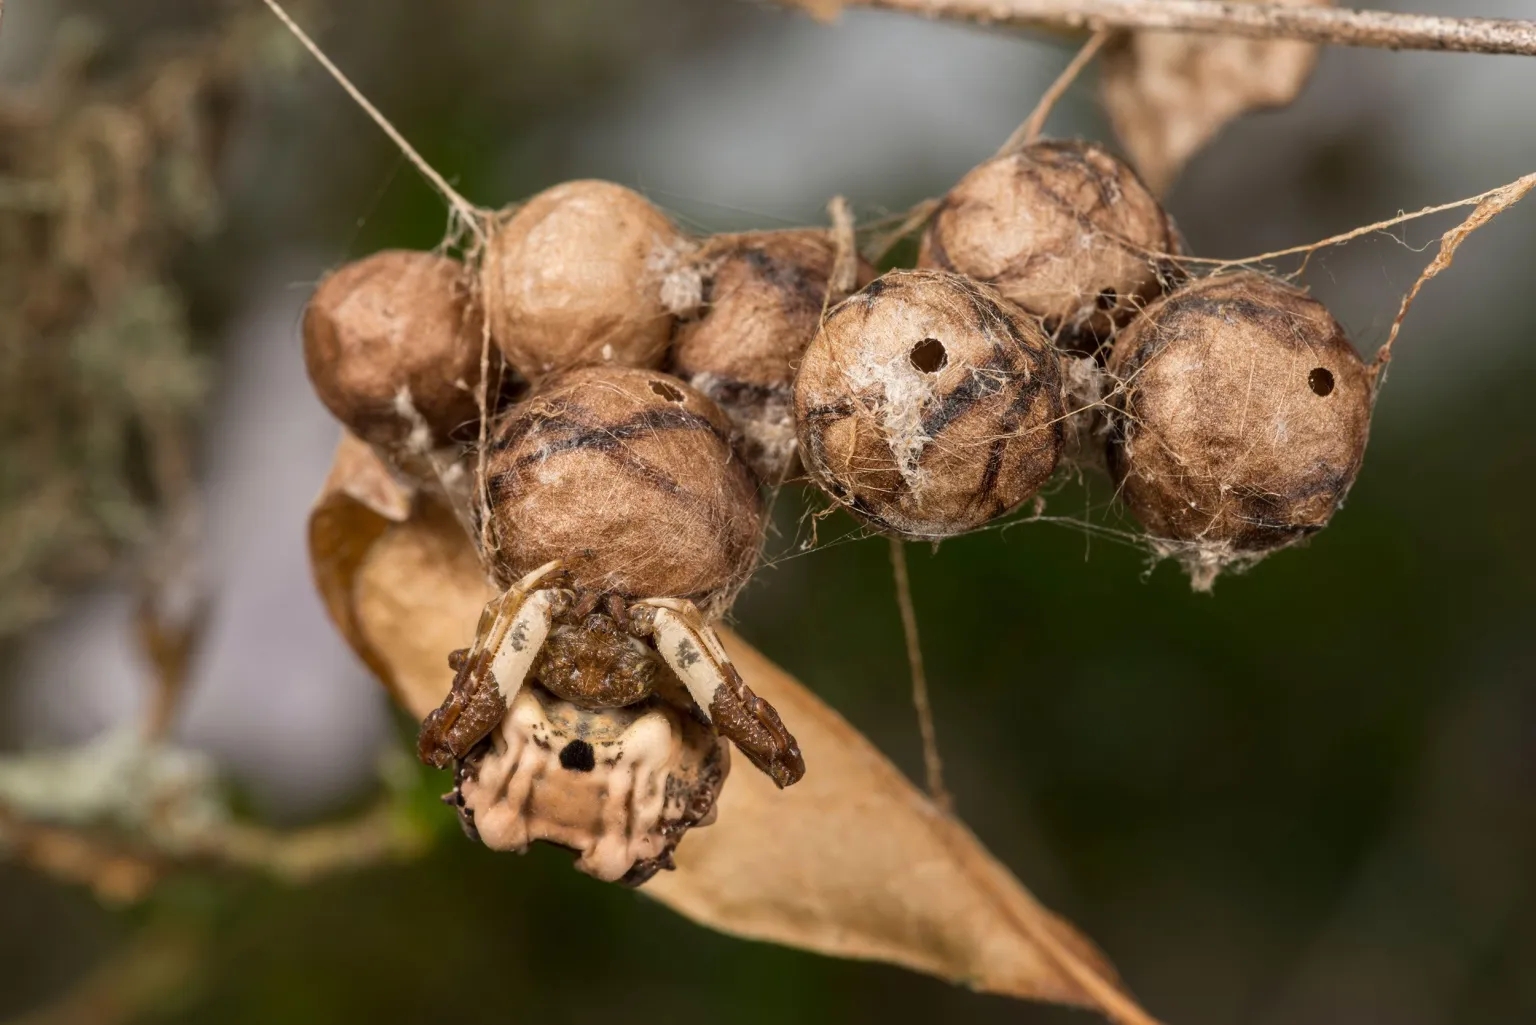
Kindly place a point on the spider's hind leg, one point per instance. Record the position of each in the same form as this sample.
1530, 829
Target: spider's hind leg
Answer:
691, 649
487, 676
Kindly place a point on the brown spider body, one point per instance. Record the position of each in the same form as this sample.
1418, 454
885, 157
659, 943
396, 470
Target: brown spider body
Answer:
623, 524
602, 661
618, 786
608, 739
595, 664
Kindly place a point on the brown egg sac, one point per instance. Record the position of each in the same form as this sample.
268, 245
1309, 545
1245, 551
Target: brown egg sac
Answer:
393, 344
575, 276
762, 297
1062, 228
629, 478
1240, 420
928, 405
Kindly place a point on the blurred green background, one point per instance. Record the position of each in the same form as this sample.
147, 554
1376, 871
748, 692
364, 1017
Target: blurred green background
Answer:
1306, 799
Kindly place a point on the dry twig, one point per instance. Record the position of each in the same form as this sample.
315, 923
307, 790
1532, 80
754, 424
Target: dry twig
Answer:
1336, 26
880, 245
466, 212
1027, 132
123, 868
1033, 125
1493, 204
932, 764
845, 263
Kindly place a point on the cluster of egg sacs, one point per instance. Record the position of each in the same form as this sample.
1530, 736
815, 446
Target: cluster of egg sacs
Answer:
661, 380
639, 384
1050, 319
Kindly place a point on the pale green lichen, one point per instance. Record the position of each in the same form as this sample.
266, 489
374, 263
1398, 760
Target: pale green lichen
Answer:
105, 184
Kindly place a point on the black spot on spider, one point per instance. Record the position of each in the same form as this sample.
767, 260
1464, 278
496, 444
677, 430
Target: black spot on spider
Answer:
1320, 381
577, 756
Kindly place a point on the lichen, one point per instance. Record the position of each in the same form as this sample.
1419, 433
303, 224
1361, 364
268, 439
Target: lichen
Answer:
104, 184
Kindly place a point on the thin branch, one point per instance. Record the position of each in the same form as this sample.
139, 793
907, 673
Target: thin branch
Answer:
486, 547
169, 642
1496, 203
122, 867
931, 761
174, 604
880, 246
466, 211
1337, 240
1030, 130
117, 873
1333, 25
374, 837
845, 261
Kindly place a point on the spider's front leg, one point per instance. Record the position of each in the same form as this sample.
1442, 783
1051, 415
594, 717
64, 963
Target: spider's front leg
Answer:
693, 651
487, 676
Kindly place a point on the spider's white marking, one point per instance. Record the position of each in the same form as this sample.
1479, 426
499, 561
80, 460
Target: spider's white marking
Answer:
690, 648
513, 628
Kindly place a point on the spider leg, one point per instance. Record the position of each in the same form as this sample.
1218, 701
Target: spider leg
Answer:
488, 675
693, 652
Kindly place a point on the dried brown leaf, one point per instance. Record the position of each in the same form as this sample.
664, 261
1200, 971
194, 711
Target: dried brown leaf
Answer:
853, 861
1169, 93
824, 11
358, 501
418, 596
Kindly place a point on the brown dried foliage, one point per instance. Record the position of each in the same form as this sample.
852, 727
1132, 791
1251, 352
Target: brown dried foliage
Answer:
1169, 93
